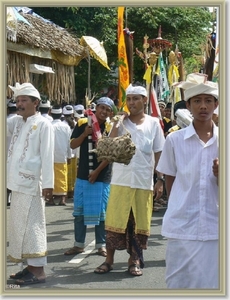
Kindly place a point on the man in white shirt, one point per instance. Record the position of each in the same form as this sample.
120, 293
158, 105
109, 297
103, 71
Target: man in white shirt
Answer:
68, 113
62, 156
130, 205
30, 178
191, 220
44, 108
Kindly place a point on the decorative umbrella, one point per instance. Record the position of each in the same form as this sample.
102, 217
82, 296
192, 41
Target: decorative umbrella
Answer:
97, 51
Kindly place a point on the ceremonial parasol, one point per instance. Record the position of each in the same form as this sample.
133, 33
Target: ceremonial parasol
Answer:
97, 51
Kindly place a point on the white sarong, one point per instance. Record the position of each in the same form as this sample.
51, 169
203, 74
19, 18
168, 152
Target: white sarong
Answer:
192, 264
27, 227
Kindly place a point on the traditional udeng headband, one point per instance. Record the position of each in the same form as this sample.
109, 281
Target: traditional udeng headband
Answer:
67, 110
44, 104
196, 84
136, 90
56, 111
202, 88
25, 89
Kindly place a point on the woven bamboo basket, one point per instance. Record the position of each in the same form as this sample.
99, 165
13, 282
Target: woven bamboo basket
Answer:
118, 149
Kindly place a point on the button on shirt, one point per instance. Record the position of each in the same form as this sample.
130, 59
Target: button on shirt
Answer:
193, 206
148, 138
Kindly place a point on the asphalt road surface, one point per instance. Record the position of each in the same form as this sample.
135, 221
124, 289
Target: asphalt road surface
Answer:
74, 276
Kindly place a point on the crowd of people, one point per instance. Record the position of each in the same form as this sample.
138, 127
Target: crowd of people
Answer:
48, 160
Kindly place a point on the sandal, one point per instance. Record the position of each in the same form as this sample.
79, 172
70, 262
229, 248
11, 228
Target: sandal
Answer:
28, 279
157, 204
19, 274
102, 252
74, 250
135, 270
101, 270
161, 201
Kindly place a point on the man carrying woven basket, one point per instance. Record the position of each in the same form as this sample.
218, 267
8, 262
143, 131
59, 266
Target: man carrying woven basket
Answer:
92, 185
129, 210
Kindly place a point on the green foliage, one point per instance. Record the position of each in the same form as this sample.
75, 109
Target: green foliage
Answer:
186, 27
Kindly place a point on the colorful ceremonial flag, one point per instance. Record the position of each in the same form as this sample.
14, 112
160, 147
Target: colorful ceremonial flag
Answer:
173, 78
152, 106
123, 68
162, 87
155, 110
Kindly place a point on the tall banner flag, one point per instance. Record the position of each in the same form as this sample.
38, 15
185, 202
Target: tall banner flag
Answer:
123, 68
152, 106
215, 74
210, 49
161, 86
173, 78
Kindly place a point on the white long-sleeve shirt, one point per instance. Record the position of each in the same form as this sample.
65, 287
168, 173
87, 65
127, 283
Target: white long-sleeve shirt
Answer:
73, 151
48, 117
31, 154
193, 207
9, 137
62, 133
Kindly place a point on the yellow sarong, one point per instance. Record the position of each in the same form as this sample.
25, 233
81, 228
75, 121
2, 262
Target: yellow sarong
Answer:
60, 179
121, 200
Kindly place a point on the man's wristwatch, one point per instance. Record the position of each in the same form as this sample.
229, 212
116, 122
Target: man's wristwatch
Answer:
161, 179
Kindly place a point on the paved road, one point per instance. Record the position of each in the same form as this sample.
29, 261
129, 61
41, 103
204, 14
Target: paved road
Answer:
73, 275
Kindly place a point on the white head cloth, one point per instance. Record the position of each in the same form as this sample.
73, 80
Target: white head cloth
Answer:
136, 90
11, 104
67, 110
44, 104
25, 89
196, 84
56, 110
162, 103
77, 108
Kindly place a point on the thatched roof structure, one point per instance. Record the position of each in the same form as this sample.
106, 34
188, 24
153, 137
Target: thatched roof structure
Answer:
48, 36
46, 44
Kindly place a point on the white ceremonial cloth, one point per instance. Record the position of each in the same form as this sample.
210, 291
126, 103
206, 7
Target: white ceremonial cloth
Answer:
192, 264
27, 227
